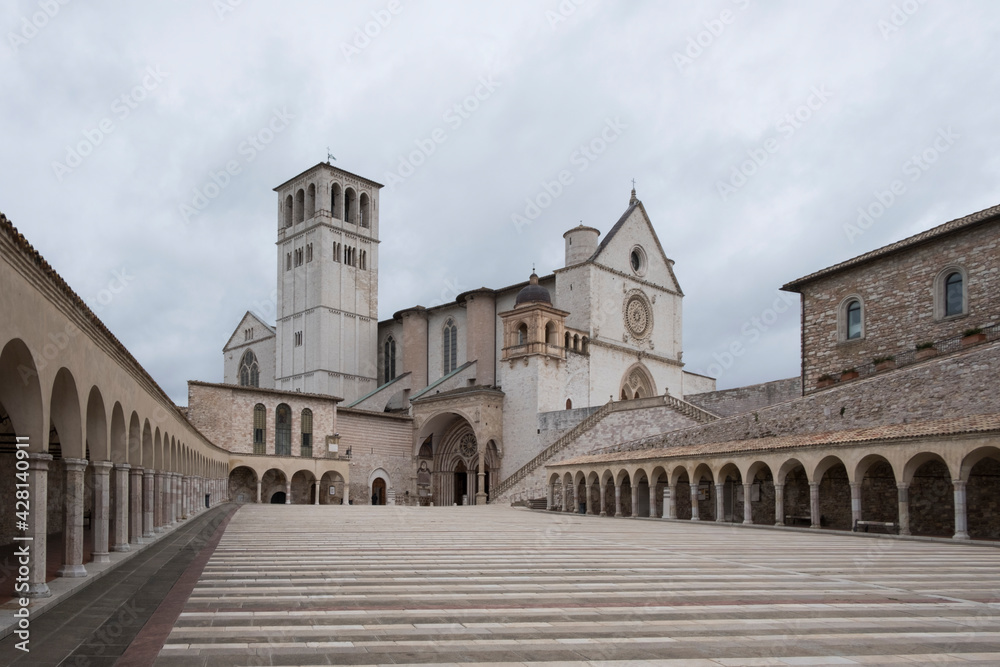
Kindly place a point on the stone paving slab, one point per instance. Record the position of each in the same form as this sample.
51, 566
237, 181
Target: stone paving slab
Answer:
305, 585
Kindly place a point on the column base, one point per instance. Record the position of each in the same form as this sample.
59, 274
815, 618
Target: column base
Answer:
747, 523
480, 498
136, 541
149, 535
961, 536
779, 523
39, 591
603, 514
815, 526
695, 518
118, 548
71, 571
101, 557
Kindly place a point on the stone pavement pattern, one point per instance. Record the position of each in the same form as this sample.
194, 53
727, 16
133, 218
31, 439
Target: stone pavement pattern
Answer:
303, 585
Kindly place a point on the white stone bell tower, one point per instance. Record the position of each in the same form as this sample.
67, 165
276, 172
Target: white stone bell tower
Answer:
327, 310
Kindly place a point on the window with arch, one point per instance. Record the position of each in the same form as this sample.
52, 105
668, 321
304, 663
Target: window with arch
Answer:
283, 430
349, 199
852, 319
550, 334
389, 360
522, 334
335, 201
259, 424
249, 370
950, 293
311, 201
450, 346
300, 204
307, 432
365, 202
336, 252
569, 403
288, 211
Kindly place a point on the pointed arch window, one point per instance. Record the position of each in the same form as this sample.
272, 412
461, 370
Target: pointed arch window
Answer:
307, 432
249, 370
259, 424
450, 346
389, 360
283, 430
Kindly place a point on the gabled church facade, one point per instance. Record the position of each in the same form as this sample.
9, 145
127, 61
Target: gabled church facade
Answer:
487, 381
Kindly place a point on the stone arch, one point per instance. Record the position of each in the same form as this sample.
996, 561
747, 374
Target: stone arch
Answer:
65, 414
762, 508
287, 212
796, 506
336, 480
304, 488
379, 487
148, 457
931, 495
97, 427
336, 201
273, 481
658, 480
298, 210
364, 203
834, 493
877, 489
21, 394
134, 451
119, 437
637, 382
242, 483
350, 201
980, 470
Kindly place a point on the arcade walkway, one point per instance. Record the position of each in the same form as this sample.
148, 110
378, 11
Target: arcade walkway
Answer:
306, 585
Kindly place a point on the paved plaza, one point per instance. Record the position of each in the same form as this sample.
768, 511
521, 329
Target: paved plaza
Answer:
310, 585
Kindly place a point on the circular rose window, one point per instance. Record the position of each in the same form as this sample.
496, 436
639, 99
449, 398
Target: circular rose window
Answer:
638, 315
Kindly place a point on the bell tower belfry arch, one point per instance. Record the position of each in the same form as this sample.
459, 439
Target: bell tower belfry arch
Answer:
327, 296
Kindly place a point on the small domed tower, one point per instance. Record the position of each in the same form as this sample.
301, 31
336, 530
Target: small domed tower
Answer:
581, 244
534, 326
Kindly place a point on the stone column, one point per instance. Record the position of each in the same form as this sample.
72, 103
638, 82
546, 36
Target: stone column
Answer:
158, 513
814, 519
258, 492
720, 503
635, 500
288, 491
694, 503
135, 506
38, 493
73, 532
779, 504
618, 499
961, 518
184, 497
549, 495
100, 518
670, 501
576, 499
903, 490
148, 502
589, 500
652, 500
316, 502
481, 489
169, 492
855, 504
119, 513
747, 508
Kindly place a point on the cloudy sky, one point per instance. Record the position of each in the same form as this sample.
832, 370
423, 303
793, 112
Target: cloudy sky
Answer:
755, 130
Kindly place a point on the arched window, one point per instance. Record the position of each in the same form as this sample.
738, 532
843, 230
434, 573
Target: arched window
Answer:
249, 370
283, 431
311, 201
569, 403
349, 199
288, 211
300, 202
954, 301
569, 340
522, 334
852, 320
550, 334
307, 432
365, 210
450, 346
390, 359
584, 345
259, 424
335, 201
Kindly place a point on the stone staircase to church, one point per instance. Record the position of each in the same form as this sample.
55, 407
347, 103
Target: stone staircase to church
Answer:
692, 412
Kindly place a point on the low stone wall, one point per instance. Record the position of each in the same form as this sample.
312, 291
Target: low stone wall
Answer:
729, 402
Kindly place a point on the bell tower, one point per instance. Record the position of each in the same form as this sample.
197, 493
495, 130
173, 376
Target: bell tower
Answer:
327, 310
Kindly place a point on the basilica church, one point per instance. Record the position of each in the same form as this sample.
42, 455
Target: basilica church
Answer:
434, 405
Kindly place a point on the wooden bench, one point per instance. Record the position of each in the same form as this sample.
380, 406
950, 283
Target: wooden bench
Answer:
798, 520
889, 527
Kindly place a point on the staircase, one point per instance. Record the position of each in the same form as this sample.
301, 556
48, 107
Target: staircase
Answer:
687, 409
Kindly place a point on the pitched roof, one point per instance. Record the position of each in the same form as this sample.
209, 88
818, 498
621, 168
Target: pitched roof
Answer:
986, 423
986, 215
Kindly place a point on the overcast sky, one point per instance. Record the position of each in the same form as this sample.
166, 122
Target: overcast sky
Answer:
755, 131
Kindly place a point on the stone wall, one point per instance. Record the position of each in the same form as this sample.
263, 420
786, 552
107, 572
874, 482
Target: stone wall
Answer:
378, 441
898, 301
963, 383
729, 402
614, 428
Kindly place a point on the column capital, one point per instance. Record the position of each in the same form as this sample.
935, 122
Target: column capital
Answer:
39, 460
148, 472
902, 485
122, 466
102, 467
137, 470
75, 465
959, 483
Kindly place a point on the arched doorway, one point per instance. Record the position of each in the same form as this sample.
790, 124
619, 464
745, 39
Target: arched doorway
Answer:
461, 475
278, 498
378, 492
637, 382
